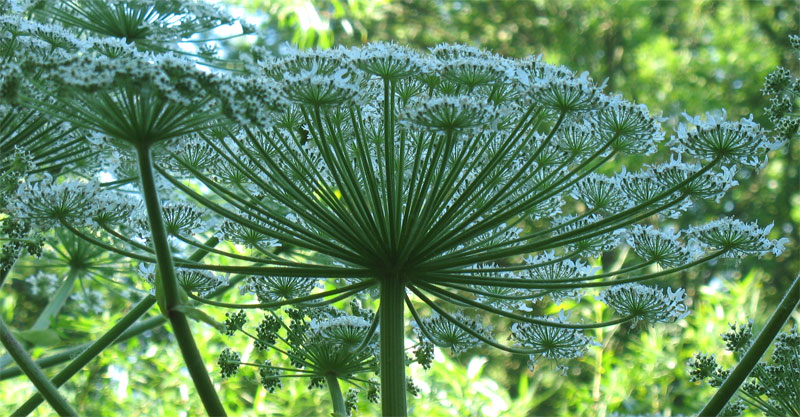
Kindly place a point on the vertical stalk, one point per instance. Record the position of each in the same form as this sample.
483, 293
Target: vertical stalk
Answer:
39, 379
180, 325
339, 409
393, 355
750, 359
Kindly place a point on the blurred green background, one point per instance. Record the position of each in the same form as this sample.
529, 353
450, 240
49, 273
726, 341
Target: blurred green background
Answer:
674, 56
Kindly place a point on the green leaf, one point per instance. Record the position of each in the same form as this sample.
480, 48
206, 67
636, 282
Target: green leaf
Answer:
199, 315
45, 337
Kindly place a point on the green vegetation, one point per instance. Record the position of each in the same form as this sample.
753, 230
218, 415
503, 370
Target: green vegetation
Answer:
72, 269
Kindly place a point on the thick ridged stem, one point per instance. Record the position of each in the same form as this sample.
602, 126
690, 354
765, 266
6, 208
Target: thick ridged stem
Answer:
171, 291
90, 353
339, 409
39, 379
393, 355
750, 359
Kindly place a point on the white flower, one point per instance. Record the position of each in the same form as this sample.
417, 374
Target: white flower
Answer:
600, 192
743, 142
447, 334
310, 87
278, 288
560, 90
586, 245
708, 185
89, 301
344, 330
449, 113
659, 246
43, 284
641, 302
201, 282
46, 202
387, 60
179, 219
736, 238
630, 126
550, 342
543, 268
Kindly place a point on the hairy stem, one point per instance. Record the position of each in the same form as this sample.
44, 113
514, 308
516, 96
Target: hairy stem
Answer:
393, 356
39, 379
750, 359
171, 291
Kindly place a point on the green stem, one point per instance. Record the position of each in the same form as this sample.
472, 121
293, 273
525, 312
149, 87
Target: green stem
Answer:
171, 295
91, 352
56, 303
151, 323
750, 359
337, 398
73, 351
39, 379
393, 355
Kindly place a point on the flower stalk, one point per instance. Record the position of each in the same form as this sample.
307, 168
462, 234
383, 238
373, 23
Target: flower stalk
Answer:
170, 291
726, 391
337, 398
393, 355
39, 379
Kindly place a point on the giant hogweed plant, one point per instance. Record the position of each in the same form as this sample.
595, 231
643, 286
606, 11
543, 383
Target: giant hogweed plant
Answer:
439, 187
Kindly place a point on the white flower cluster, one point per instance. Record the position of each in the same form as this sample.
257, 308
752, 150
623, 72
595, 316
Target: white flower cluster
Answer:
89, 301
548, 269
447, 334
743, 142
559, 90
450, 113
43, 284
388, 60
586, 245
149, 24
633, 128
707, 185
736, 238
311, 87
345, 330
115, 208
199, 281
643, 303
47, 202
179, 219
278, 288
600, 192
39, 42
506, 298
551, 342
659, 246
243, 235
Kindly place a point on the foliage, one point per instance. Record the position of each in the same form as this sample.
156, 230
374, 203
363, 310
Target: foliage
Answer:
455, 185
